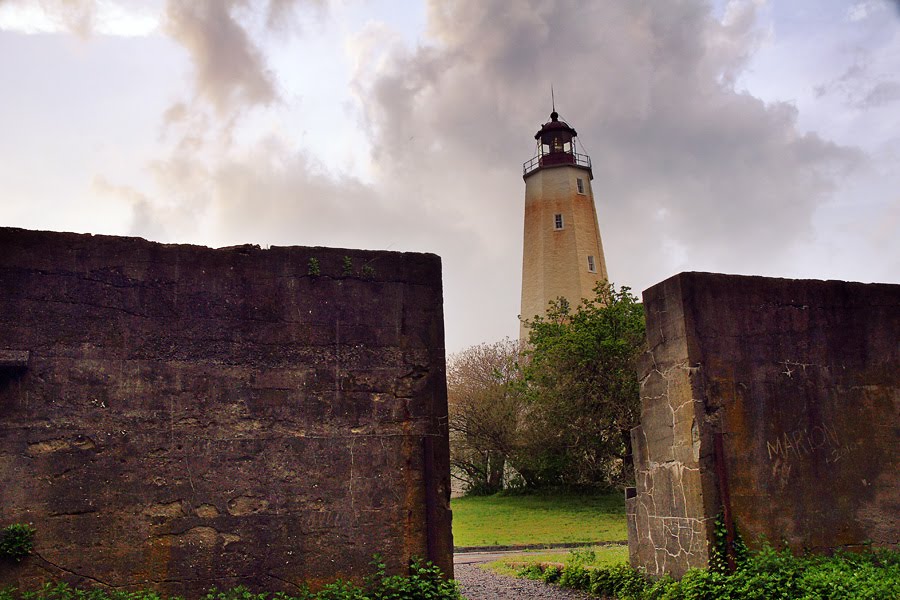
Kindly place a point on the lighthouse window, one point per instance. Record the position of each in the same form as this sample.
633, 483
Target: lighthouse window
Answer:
557, 221
591, 266
580, 183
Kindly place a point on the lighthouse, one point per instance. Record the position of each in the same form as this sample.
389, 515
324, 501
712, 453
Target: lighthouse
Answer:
562, 254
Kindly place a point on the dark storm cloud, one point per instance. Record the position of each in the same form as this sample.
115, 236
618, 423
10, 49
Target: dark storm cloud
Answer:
229, 67
689, 172
681, 159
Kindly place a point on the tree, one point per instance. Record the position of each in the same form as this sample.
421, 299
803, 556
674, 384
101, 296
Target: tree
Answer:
558, 411
485, 405
581, 391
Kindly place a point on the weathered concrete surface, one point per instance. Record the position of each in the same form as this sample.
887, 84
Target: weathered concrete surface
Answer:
801, 379
181, 417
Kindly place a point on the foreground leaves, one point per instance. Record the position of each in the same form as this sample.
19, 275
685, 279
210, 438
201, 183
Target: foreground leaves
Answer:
767, 574
424, 582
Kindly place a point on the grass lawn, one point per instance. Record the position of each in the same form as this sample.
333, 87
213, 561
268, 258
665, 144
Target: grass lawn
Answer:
538, 519
604, 556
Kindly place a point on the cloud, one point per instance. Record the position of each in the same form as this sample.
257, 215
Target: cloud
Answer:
283, 15
689, 172
649, 86
229, 67
81, 17
860, 11
272, 194
860, 88
145, 214
883, 92
47, 16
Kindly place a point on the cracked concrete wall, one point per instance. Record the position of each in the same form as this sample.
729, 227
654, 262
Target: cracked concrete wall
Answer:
800, 379
187, 417
667, 524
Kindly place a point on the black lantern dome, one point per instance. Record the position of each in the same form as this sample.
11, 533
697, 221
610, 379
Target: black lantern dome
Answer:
556, 147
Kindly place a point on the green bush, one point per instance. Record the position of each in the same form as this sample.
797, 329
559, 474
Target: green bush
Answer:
718, 556
424, 582
16, 541
581, 556
551, 574
529, 572
242, 593
767, 574
618, 581
575, 577
341, 590
62, 591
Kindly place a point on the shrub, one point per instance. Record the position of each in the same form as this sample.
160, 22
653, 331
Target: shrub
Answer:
575, 577
767, 574
424, 582
62, 591
242, 593
718, 556
659, 589
341, 590
529, 572
581, 556
618, 581
16, 541
551, 574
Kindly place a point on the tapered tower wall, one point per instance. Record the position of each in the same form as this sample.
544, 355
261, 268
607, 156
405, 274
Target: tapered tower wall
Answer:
555, 260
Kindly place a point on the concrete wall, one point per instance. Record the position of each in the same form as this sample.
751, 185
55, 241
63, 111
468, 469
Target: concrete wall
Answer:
178, 417
799, 382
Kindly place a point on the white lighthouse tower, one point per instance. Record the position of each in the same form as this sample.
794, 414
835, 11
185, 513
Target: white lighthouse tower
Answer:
562, 254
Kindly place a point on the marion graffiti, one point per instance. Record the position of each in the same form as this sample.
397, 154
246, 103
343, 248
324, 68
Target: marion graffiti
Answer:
804, 442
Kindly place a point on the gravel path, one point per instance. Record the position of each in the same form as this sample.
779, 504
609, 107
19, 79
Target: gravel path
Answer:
478, 584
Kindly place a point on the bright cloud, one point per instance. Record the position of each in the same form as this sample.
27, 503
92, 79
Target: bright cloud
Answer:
703, 158
104, 17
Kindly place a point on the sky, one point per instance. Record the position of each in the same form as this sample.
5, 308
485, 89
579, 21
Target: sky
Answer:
746, 136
